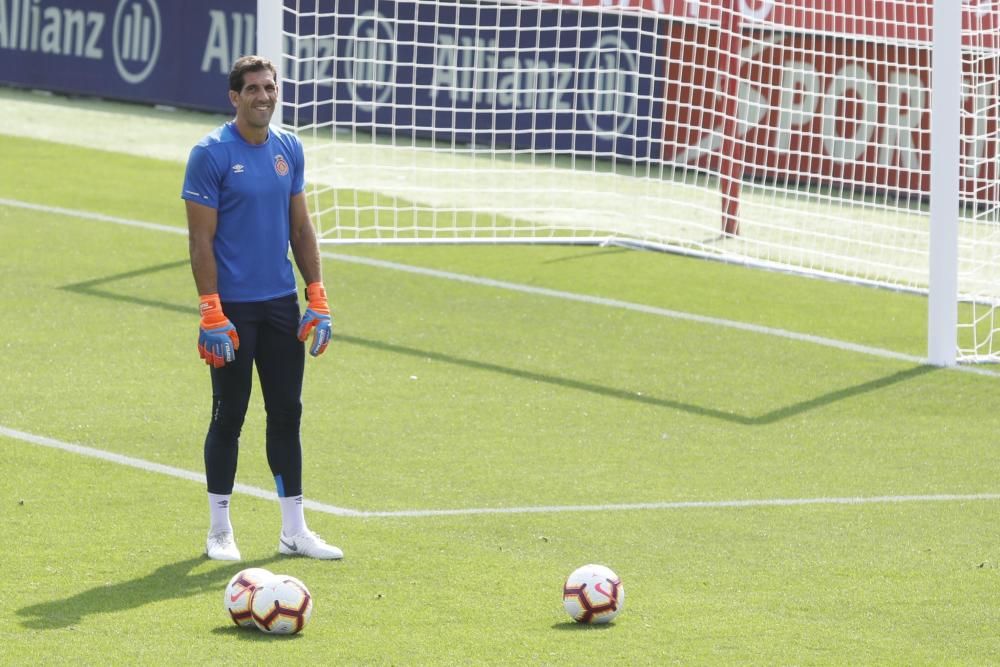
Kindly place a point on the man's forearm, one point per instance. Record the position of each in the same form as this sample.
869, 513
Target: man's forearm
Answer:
305, 249
305, 246
203, 267
202, 222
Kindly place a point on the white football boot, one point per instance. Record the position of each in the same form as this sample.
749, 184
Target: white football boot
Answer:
222, 546
308, 544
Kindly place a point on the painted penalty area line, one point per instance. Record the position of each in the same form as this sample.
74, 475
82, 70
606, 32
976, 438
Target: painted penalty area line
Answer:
256, 492
539, 291
628, 305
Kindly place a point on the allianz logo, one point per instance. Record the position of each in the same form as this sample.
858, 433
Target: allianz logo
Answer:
62, 28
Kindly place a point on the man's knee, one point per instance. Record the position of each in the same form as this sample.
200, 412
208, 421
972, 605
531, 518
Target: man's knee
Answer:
284, 419
227, 418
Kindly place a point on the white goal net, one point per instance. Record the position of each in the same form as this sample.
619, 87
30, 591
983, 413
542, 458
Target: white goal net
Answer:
791, 134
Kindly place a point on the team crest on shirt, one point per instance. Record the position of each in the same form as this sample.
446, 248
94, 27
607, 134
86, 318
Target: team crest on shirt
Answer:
280, 165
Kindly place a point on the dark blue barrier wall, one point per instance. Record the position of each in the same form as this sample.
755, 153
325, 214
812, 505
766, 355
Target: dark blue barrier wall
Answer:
175, 52
544, 78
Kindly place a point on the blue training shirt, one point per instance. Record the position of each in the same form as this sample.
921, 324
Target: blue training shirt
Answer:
250, 186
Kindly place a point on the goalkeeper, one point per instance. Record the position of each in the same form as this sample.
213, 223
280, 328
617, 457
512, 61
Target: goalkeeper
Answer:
244, 195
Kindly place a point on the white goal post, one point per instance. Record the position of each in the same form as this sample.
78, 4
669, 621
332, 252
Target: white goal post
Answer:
857, 140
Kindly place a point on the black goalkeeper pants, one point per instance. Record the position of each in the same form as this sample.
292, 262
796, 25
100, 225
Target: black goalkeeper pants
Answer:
267, 331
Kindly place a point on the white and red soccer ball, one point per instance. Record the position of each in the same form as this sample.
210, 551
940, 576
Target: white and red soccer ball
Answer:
239, 591
281, 605
593, 594
274, 603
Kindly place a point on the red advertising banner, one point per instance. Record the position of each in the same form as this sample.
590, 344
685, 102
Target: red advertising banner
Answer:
824, 110
839, 110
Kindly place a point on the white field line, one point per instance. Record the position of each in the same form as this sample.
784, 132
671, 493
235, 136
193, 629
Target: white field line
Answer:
627, 305
538, 291
244, 489
158, 468
89, 215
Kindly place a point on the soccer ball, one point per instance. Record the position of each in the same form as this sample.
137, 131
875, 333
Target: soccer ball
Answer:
593, 594
238, 593
281, 605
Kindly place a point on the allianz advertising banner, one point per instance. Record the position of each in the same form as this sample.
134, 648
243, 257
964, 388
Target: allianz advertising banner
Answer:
175, 52
528, 76
548, 78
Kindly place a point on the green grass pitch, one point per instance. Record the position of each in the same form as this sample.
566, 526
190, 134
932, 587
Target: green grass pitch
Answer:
438, 394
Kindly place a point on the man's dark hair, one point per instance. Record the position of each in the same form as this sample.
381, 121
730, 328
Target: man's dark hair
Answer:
249, 64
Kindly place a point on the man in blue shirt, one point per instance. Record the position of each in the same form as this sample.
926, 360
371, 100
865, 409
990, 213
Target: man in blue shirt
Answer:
244, 195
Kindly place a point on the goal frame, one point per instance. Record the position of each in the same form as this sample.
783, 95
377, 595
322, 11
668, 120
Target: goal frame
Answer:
945, 196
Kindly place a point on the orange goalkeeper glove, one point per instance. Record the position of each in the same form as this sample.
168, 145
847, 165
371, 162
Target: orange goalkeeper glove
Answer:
217, 337
317, 316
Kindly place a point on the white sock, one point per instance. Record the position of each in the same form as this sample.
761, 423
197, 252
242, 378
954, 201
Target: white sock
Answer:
218, 512
293, 517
